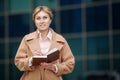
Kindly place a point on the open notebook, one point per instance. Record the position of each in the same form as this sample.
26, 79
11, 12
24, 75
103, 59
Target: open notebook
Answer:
50, 56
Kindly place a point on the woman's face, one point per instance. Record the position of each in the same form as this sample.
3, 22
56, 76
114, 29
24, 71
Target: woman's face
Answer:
42, 21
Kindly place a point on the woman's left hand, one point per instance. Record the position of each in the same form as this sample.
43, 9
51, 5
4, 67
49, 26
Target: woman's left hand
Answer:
48, 66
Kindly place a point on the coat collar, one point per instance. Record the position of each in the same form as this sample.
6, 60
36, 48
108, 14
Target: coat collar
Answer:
56, 37
32, 40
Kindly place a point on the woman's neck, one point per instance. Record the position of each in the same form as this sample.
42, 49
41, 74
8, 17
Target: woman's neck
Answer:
44, 33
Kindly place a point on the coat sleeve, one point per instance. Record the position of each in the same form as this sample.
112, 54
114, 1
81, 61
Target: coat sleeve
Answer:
67, 60
22, 58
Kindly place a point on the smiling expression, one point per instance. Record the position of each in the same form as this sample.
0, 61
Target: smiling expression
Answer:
42, 20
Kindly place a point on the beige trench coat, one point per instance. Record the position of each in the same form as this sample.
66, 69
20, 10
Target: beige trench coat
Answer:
29, 43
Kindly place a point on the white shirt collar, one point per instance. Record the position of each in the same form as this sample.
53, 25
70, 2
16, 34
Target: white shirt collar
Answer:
49, 35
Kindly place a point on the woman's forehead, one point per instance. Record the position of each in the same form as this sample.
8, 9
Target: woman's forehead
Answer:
42, 13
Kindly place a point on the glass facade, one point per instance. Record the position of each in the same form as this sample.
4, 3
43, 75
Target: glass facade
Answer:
97, 65
116, 16
91, 27
116, 44
97, 18
69, 2
2, 50
19, 6
19, 25
2, 26
1, 6
98, 46
71, 21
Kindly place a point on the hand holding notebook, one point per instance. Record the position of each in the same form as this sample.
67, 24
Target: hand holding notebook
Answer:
50, 56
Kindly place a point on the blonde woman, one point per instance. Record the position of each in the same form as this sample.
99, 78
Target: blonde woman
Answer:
39, 43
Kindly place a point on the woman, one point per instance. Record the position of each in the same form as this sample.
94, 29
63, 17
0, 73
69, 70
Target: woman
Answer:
39, 43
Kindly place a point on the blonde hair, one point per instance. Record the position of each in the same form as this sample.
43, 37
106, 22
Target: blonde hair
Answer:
42, 8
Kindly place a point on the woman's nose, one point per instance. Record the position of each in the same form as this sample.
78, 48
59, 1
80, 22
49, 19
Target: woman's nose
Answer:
42, 20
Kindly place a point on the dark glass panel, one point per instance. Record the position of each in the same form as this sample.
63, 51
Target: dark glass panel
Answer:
69, 2
96, 1
116, 16
76, 45
19, 6
50, 3
71, 21
2, 5
97, 18
98, 65
19, 25
117, 65
116, 44
98, 45
15, 74
2, 72
13, 49
2, 27
2, 50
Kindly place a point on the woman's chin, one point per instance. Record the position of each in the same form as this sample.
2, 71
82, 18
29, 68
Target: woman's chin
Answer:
43, 29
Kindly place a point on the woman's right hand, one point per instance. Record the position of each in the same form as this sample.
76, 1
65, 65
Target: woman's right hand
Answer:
35, 53
38, 53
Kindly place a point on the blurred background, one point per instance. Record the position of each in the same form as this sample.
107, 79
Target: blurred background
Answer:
91, 27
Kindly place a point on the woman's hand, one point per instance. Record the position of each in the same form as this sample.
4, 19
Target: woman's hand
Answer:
49, 66
38, 53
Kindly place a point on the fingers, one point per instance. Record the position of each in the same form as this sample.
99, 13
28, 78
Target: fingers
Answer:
45, 65
48, 66
37, 53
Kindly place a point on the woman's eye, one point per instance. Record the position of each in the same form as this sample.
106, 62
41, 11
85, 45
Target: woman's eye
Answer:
44, 17
38, 18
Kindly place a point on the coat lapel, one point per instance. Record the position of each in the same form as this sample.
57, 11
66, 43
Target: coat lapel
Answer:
53, 45
34, 45
56, 41
33, 41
